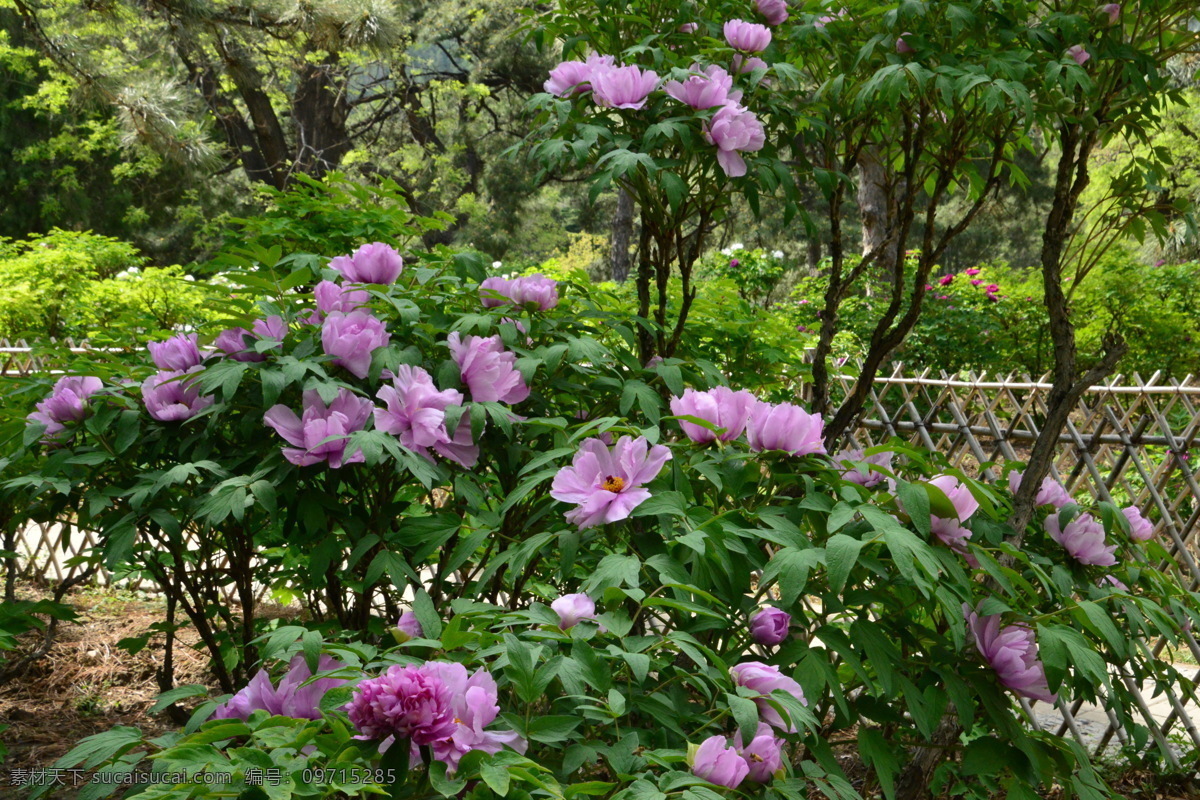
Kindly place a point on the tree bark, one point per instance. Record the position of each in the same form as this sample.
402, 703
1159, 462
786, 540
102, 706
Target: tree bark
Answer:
620, 237
874, 204
268, 132
320, 111
913, 781
1071, 178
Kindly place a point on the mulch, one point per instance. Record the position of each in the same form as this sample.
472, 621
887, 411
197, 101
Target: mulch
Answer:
85, 684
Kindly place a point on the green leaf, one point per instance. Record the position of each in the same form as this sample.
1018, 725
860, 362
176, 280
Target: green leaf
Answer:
907, 552
178, 693
496, 777
791, 566
991, 756
431, 623
1101, 622
98, 748
876, 752
396, 760
553, 729
310, 645
915, 500
639, 664
613, 570
841, 553
745, 714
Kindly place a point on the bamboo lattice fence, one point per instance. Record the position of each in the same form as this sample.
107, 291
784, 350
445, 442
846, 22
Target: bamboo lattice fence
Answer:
1129, 441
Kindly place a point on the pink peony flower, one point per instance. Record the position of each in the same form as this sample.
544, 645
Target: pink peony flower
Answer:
307, 433
415, 412
1083, 539
766, 679
951, 531
169, 397
407, 627
606, 484
1113, 11
491, 287
536, 289
623, 87
774, 11
749, 37
764, 754
1115, 582
372, 263
487, 369
406, 702
706, 90
1012, 652
733, 130
718, 763
475, 705
332, 297
946, 280
769, 626
290, 699
689, 27
860, 475
902, 46
67, 402
571, 608
352, 338
575, 77
1051, 492
238, 343
1140, 528
742, 65
720, 406
784, 427
177, 353
973, 271
1079, 53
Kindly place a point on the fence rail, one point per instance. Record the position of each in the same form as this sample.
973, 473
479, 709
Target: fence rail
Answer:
19, 360
1129, 441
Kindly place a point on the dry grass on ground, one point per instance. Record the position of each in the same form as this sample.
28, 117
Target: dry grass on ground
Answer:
85, 684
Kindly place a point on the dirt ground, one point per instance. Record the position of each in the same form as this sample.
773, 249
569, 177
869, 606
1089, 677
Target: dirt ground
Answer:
85, 684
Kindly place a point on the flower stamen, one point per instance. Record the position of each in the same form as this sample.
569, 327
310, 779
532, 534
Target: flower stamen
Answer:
613, 483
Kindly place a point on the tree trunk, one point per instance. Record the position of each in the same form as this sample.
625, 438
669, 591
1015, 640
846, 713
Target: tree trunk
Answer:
913, 781
620, 237
319, 111
268, 132
1071, 178
877, 194
812, 254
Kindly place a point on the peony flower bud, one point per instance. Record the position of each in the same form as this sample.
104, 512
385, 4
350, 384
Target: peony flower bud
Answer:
769, 626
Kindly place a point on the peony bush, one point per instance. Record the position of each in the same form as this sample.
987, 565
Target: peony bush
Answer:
527, 564
538, 546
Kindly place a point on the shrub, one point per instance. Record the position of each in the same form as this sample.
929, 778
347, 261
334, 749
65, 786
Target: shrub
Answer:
598, 540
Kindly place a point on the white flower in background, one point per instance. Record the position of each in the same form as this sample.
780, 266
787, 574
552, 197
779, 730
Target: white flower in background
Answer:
189, 278
728, 251
777, 254
497, 264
